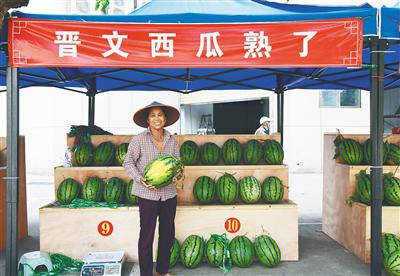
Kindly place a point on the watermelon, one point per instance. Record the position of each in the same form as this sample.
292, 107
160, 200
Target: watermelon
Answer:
189, 153
350, 152
192, 251
393, 156
390, 243
130, 198
67, 191
391, 189
392, 263
215, 252
83, 154
104, 154
93, 189
273, 152
174, 255
252, 152
120, 153
241, 251
272, 190
363, 188
366, 147
204, 189
209, 154
114, 190
267, 251
250, 189
162, 170
227, 189
231, 152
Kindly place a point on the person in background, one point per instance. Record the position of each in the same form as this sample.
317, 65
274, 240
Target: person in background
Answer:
153, 203
264, 126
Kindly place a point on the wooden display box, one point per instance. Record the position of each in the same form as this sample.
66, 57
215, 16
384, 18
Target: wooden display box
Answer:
58, 227
185, 194
22, 212
350, 226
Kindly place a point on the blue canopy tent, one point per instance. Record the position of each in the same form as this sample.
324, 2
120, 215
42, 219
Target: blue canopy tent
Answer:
380, 62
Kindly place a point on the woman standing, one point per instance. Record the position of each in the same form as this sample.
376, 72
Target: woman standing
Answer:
153, 203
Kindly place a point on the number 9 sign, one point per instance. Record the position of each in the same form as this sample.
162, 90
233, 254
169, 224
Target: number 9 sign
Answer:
232, 225
105, 228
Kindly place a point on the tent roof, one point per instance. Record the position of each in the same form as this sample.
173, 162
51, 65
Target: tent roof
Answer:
222, 11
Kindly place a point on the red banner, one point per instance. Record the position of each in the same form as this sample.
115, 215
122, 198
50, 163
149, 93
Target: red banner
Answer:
328, 43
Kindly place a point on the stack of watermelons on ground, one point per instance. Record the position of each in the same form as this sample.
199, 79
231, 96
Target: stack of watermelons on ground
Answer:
391, 253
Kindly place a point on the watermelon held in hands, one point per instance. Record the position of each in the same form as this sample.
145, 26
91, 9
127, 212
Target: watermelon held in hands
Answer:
242, 251
162, 171
120, 153
192, 251
130, 198
93, 189
114, 190
267, 251
250, 189
67, 191
231, 152
272, 190
273, 152
252, 152
204, 189
227, 189
189, 153
83, 154
104, 154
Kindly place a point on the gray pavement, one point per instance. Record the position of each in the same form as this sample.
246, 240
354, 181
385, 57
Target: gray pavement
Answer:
319, 254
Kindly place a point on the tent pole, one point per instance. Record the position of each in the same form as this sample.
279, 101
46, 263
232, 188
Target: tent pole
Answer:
12, 169
376, 116
91, 104
282, 112
279, 93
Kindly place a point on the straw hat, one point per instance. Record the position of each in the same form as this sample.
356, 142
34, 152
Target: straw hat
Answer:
140, 117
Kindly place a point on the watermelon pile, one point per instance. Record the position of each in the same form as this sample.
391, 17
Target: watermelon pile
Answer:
391, 253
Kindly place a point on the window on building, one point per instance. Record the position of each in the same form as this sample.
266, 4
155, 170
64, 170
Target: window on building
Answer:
340, 98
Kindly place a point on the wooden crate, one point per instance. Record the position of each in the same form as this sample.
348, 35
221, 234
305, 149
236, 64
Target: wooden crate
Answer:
350, 226
185, 194
22, 211
58, 227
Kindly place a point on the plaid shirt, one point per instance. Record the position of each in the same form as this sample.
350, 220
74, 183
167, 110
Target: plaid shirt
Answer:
141, 151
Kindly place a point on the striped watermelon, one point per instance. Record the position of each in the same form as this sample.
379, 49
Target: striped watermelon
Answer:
130, 198
252, 152
93, 189
231, 152
161, 171
192, 251
242, 251
189, 153
104, 154
120, 153
267, 251
390, 244
209, 154
67, 191
391, 189
114, 190
273, 152
215, 252
350, 152
204, 189
366, 146
227, 189
392, 263
250, 189
393, 156
363, 188
174, 256
83, 154
272, 189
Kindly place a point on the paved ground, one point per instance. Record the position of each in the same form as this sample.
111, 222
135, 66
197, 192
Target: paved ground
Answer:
319, 255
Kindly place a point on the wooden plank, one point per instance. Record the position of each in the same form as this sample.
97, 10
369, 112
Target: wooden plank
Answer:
22, 211
185, 194
58, 227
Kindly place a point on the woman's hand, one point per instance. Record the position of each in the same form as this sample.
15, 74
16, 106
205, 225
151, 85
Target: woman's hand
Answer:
148, 186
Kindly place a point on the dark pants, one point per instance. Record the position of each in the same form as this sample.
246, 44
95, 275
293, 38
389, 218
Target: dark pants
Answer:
149, 211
